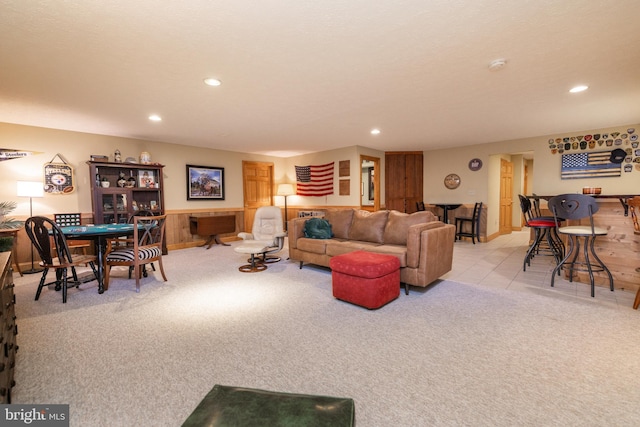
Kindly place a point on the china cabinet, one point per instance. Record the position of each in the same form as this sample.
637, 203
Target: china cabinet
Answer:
119, 190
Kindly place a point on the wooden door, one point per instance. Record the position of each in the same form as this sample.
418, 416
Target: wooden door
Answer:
413, 182
395, 167
403, 180
506, 199
257, 189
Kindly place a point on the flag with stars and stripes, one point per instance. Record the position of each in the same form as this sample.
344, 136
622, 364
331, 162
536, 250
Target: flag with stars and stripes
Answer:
316, 180
588, 165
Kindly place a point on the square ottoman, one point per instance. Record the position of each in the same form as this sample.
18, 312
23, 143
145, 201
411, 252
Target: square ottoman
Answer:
228, 406
365, 278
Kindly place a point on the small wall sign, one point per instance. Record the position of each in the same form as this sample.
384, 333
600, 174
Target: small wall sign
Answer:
58, 177
475, 164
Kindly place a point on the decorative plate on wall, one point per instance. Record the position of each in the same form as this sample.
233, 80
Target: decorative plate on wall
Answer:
476, 164
452, 181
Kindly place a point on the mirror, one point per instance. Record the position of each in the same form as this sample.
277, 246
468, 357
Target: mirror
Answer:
369, 183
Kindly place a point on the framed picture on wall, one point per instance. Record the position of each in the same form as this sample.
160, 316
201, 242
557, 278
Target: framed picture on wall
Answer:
205, 183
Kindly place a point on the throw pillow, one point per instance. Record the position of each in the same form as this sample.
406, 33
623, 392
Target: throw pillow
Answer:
368, 226
317, 228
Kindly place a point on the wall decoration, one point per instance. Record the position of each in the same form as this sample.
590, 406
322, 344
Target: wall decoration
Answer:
314, 180
589, 165
10, 153
452, 181
345, 187
344, 168
58, 177
205, 183
475, 164
626, 139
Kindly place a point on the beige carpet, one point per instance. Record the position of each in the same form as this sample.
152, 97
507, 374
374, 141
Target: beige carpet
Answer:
450, 355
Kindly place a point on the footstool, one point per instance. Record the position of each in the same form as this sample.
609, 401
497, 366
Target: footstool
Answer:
365, 278
227, 406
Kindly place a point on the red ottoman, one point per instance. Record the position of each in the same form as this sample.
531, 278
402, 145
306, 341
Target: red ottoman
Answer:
365, 278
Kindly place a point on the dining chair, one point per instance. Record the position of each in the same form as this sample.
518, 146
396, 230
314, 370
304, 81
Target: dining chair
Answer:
127, 242
473, 230
634, 207
546, 240
579, 207
70, 219
148, 234
51, 244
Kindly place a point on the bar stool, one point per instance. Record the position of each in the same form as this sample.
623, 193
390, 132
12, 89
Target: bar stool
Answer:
576, 207
546, 240
474, 230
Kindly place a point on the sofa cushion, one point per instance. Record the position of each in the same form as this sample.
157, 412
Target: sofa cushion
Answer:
315, 246
368, 226
340, 220
339, 247
317, 228
395, 232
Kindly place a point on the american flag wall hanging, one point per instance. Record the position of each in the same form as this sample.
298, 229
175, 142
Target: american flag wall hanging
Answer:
588, 165
315, 180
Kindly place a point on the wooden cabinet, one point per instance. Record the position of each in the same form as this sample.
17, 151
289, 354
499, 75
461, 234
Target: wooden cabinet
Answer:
8, 329
132, 187
403, 180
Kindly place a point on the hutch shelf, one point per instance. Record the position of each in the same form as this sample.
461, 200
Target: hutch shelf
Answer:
120, 190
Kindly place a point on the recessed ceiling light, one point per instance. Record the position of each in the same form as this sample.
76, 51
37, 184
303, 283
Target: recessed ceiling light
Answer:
212, 82
155, 118
577, 89
375, 131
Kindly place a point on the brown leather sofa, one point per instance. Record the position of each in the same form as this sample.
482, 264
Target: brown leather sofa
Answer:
423, 244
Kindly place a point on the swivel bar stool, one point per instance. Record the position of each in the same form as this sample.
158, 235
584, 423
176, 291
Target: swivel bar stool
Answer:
577, 207
545, 241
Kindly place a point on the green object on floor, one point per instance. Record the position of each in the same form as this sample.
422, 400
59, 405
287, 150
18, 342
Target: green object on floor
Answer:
227, 406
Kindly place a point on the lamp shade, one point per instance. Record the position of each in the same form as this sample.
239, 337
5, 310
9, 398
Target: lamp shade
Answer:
30, 189
285, 190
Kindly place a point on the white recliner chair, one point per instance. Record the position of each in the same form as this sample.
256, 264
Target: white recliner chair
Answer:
267, 231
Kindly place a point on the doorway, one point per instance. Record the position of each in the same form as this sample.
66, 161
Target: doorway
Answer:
506, 197
257, 187
369, 183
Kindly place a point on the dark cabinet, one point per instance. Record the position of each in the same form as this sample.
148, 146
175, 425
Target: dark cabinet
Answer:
131, 188
8, 329
403, 180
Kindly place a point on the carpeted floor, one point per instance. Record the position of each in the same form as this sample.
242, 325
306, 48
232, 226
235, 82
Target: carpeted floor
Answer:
448, 355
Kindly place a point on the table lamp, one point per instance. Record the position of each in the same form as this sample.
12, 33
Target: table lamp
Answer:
30, 189
285, 190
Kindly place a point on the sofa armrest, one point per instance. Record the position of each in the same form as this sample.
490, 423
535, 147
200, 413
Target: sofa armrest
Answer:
414, 240
434, 255
295, 230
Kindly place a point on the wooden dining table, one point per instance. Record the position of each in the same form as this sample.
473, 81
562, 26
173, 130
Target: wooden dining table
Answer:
99, 234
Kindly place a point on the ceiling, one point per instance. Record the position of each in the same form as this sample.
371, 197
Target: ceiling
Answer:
302, 76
